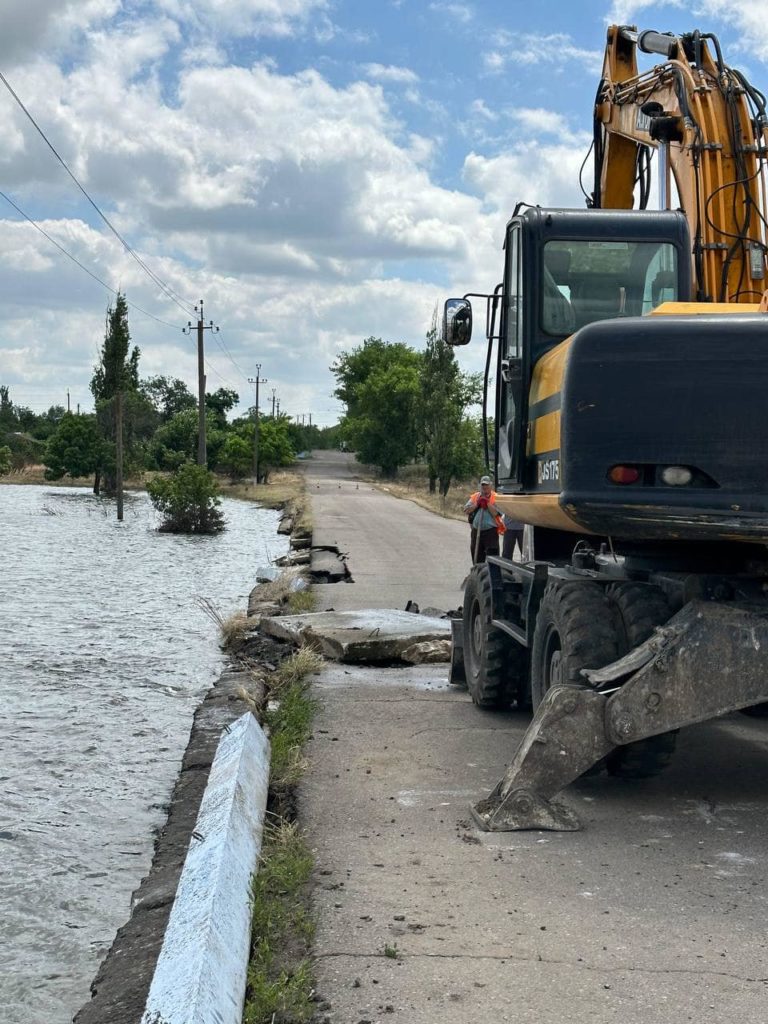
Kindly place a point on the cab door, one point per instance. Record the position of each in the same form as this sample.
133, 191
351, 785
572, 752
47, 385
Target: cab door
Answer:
511, 370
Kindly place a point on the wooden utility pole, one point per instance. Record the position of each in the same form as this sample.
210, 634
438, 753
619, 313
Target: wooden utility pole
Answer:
202, 453
273, 402
256, 380
119, 454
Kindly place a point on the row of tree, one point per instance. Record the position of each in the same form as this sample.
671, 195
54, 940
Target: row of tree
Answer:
404, 406
160, 425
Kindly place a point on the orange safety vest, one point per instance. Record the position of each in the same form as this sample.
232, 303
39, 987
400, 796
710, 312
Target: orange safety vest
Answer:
500, 527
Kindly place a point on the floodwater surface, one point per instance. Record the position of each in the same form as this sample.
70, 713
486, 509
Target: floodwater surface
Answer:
105, 654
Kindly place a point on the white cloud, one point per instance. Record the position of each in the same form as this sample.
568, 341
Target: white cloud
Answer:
462, 13
546, 175
240, 18
530, 49
390, 73
33, 24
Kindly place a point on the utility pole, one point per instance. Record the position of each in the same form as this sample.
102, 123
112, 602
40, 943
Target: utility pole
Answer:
202, 454
258, 379
274, 390
68, 400
119, 454
278, 407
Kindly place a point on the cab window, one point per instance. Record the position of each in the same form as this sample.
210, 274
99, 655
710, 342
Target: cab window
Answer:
584, 281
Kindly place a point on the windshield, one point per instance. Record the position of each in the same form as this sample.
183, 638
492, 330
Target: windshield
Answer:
584, 281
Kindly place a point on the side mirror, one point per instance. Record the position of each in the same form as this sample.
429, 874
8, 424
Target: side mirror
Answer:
457, 322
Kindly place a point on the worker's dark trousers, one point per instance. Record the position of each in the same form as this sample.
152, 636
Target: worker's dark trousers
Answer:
508, 547
489, 544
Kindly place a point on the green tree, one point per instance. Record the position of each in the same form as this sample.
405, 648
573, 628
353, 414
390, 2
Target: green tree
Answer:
5, 459
445, 394
236, 456
188, 501
275, 448
220, 403
379, 383
116, 371
75, 449
168, 395
175, 442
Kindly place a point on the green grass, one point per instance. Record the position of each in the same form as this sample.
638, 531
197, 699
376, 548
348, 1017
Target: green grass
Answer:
280, 984
280, 981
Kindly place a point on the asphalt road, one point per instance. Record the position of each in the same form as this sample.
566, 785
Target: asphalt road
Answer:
397, 550
654, 913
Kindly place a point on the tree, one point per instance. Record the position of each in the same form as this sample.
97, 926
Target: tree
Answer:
379, 383
445, 393
168, 395
118, 367
5, 459
275, 447
75, 449
188, 501
116, 371
236, 456
175, 442
221, 402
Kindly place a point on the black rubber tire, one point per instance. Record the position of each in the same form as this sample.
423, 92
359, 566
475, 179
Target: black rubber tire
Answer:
574, 630
496, 667
756, 711
639, 608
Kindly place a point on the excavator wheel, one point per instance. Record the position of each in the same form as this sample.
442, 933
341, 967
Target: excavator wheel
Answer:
496, 667
574, 630
639, 608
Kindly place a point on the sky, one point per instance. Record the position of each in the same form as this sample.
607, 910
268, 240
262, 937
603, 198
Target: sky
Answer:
316, 171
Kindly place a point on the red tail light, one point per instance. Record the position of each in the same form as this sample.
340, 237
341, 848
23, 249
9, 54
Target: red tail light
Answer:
624, 474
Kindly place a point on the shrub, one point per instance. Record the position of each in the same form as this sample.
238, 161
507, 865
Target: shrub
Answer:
188, 501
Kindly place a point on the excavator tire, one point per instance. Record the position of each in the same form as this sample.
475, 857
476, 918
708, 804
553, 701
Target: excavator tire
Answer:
574, 630
639, 608
495, 666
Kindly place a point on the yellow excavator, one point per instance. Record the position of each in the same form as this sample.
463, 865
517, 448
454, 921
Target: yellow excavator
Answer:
630, 352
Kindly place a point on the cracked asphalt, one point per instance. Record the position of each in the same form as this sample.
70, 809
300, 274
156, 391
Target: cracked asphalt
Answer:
655, 912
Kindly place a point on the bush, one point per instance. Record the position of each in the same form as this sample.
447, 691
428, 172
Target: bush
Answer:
188, 501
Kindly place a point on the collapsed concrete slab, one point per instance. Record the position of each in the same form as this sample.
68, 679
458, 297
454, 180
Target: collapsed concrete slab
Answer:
328, 566
369, 635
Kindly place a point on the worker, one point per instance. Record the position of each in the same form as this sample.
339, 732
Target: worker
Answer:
486, 521
512, 536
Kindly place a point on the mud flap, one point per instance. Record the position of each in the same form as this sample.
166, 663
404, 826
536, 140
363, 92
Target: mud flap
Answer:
708, 660
457, 676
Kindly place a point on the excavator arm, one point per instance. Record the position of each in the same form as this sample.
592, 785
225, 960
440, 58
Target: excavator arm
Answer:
710, 130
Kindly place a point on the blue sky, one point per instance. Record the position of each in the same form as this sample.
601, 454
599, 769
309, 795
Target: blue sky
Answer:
318, 171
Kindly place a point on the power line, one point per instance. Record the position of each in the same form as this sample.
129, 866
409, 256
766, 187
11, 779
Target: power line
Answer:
82, 265
188, 307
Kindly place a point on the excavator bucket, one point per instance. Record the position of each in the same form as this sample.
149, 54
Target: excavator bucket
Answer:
708, 660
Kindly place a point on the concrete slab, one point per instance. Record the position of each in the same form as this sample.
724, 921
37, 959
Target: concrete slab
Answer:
327, 566
369, 635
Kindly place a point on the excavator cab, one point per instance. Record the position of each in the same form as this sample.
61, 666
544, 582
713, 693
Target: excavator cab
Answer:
564, 269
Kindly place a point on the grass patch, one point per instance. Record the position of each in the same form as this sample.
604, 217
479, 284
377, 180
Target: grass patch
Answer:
284, 487
232, 630
280, 984
301, 601
289, 717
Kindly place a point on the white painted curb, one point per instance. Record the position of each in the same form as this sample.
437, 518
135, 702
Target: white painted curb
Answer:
200, 976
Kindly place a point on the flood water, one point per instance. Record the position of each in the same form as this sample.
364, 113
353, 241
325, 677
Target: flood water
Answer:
104, 655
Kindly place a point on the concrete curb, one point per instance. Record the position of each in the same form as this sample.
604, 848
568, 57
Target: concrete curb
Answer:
200, 976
